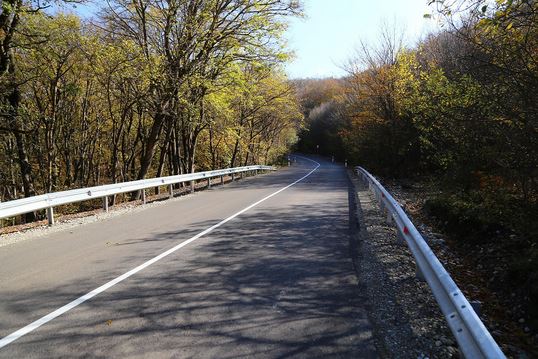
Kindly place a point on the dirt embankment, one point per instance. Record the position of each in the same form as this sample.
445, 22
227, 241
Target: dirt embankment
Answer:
408, 320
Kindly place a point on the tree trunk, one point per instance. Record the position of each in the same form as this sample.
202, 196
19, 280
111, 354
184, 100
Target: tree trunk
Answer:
24, 164
9, 19
212, 148
162, 157
151, 143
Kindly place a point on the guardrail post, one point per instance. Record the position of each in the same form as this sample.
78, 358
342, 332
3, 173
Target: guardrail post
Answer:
105, 203
401, 239
389, 216
222, 180
363, 178
50, 216
473, 339
171, 190
419, 274
477, 306
44, 203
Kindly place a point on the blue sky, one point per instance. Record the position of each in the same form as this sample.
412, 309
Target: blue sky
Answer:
332, 30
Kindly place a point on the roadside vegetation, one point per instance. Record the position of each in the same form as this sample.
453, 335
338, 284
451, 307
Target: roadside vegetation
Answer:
457, 113
145, 88
152, 88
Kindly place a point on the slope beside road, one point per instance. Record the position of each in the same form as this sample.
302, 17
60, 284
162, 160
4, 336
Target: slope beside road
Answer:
274, 280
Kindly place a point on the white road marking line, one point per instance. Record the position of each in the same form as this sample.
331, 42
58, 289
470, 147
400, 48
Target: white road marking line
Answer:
47, 318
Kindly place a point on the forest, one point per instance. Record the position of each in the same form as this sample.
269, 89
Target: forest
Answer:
144, 88
457, 112
150, 88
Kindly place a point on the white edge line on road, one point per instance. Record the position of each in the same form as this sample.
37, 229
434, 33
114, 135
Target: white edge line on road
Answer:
47, 318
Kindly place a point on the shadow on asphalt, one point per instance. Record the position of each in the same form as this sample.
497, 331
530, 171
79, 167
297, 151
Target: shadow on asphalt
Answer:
277, 282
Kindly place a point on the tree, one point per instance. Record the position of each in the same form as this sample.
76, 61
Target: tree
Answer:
378, 134
151, 88
11, 17
195, 40
322, 101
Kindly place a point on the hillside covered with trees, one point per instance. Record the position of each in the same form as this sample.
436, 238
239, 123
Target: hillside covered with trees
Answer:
144, 89
458, 111
152, 88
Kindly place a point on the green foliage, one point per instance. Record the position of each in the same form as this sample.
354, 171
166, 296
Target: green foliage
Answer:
467, 217
116, 102
320, 101
447, 113
459, 107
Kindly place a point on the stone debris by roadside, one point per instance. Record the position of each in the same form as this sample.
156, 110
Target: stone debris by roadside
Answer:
406, 318
39, 229
386, 250
65, 223
500, 312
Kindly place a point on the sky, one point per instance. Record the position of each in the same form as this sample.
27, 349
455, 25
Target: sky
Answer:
332, 30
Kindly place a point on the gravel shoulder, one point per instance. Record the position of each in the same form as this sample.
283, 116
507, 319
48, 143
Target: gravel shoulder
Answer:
386, 268
405, 316
10, 235
479, 271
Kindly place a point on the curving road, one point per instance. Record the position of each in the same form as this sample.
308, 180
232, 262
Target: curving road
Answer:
243, 270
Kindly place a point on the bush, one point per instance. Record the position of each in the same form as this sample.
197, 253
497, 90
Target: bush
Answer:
465, 217
523, 274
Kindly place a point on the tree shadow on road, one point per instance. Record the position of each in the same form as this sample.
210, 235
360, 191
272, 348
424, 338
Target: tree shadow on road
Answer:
275, 283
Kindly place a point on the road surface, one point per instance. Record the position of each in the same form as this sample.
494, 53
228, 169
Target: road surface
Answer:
274, 281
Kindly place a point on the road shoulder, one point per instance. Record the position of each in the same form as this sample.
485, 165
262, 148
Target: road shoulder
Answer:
407, 321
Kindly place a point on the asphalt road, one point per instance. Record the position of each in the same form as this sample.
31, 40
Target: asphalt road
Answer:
275, 281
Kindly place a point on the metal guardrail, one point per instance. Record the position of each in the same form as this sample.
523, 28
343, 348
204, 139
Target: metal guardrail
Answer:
473, 338
50, 200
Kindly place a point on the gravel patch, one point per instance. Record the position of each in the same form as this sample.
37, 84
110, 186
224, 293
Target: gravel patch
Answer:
40, 229
479, 271
408, 322
64, 224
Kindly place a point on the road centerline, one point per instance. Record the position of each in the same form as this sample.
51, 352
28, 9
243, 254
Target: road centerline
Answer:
58, 312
